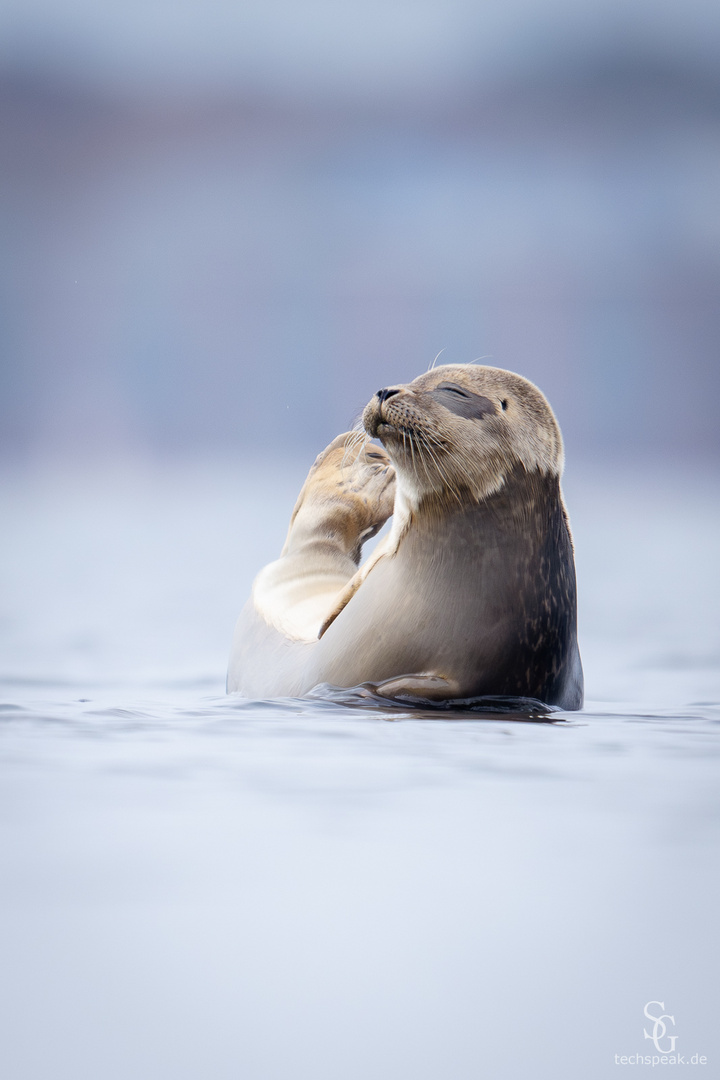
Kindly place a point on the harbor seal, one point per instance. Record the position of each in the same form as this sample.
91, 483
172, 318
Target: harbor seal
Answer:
472, 593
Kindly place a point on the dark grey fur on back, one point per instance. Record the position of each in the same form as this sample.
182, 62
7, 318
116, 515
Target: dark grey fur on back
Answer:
524, 529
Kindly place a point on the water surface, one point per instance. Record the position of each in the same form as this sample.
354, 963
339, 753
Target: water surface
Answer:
197, 886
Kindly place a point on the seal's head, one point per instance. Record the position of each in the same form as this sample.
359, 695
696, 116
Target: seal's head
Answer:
457, 431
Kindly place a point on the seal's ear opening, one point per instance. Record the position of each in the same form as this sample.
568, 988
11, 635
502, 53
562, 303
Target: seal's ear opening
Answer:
503, 404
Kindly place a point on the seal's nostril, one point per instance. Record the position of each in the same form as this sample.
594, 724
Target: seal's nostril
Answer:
384, 394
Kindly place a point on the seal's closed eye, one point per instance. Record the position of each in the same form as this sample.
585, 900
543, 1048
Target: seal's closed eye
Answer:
454, 388
456, 399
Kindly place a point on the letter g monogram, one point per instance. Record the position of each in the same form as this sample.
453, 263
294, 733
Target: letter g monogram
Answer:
660, 1028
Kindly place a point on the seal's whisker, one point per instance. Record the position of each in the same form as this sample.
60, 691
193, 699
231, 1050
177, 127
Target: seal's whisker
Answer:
437, 358
421, 448
441, 472
443, 475
350, 444
419, 441
361, 444
431, 439
355, 442
422, 456
412, 448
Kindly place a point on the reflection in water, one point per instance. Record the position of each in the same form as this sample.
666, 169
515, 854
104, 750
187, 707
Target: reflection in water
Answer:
195, 885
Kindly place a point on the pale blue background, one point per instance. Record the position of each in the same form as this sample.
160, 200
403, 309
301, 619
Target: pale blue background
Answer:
222, 228
226, 225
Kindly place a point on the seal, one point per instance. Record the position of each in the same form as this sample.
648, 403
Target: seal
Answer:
472, 593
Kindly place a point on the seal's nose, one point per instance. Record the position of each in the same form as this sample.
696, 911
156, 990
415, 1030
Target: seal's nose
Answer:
383, 395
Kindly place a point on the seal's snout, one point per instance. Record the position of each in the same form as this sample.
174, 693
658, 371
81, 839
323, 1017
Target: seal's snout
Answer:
388, 392
374, 414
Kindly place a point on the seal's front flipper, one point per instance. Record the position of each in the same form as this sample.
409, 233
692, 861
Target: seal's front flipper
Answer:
355, 582
347, 498
421, 686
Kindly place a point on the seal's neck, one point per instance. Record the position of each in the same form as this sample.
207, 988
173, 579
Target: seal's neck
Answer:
522, 505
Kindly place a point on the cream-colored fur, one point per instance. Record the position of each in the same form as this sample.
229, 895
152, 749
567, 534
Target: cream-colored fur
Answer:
345, 500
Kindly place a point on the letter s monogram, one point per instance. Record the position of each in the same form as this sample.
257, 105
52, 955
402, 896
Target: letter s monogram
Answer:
660, 1028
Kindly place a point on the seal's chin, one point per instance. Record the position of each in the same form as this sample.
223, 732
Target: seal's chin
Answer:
388, 434
378, 426
373, 420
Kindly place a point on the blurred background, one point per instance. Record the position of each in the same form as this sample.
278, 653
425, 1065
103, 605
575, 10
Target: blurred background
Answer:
225, 225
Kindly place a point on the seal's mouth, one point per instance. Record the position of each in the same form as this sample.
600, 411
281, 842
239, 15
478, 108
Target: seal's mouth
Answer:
373, 420
395, 430
399, 438
378, 427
